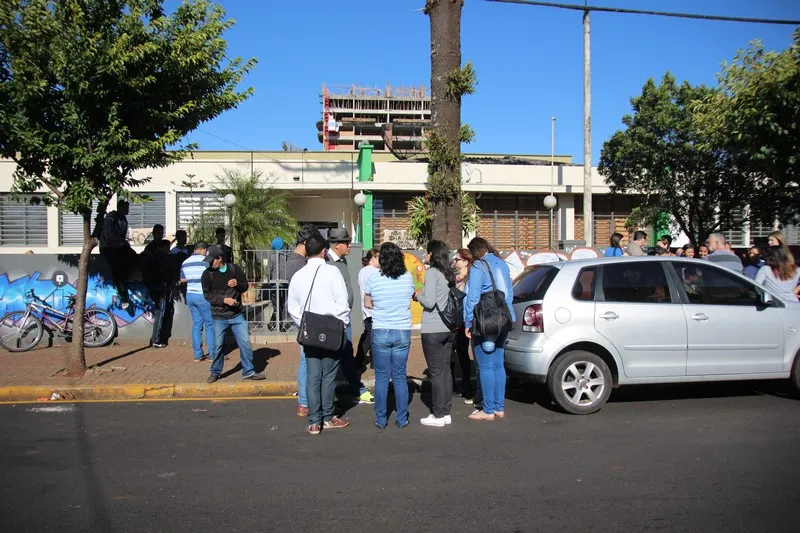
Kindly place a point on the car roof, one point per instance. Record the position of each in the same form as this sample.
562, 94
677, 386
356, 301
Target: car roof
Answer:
581, 263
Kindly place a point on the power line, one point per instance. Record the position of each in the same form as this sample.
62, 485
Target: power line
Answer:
656, 13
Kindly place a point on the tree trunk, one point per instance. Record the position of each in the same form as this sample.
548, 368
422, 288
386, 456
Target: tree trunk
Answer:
77, 357
445, 16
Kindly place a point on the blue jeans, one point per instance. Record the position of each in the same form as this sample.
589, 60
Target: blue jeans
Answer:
390, 356
302, 379
201, 320
492, 372
321, 387
348, 362
241, 332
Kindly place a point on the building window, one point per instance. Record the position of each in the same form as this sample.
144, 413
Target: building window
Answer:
390, 219
22, 224
144, 216
197, 208
71, 226
511, 222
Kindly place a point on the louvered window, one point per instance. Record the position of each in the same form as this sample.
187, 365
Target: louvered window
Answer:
22, 224
145, 216
72, 226
200, 206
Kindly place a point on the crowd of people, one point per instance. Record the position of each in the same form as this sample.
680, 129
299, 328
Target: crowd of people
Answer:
773, 267
319, 286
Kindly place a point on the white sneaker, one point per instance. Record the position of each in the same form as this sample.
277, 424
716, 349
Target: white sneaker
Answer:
448, 420
431, 420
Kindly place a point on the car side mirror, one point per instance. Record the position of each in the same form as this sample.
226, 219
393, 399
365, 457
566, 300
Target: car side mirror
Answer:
766, 299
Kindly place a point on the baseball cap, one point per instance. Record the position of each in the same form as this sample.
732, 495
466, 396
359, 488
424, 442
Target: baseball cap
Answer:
213, 252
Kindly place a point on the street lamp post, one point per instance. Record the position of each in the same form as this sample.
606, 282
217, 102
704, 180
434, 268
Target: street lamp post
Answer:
550, 200
230, 201
360, 199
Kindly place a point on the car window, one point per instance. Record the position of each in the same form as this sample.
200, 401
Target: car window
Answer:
705, 284
533, 283
635, 282
585, 284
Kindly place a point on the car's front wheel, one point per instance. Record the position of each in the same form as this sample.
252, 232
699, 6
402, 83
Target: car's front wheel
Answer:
580, 382
795, 376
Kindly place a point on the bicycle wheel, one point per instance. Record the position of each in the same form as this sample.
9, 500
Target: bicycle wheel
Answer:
19, 333
99, 328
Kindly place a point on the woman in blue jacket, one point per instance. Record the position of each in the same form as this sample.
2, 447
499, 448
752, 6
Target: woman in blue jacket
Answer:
490, 363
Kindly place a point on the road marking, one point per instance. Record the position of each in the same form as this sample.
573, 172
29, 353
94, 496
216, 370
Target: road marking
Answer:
52, 409
144, 400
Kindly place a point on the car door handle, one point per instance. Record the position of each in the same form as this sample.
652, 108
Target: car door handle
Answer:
610, 315
700, 317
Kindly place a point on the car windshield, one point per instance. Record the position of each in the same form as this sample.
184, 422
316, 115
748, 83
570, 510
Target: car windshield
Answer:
533, 283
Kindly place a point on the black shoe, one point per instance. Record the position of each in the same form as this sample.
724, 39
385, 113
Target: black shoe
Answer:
256, 377
212, 378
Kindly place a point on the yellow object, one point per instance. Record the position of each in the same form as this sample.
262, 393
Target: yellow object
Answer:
417, 269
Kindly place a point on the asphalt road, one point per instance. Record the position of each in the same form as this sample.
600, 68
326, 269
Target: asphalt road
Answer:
721, 458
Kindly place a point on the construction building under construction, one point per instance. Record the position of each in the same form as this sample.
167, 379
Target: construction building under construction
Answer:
392, 119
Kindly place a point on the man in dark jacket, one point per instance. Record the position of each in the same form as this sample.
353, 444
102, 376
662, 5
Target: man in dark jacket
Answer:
159, 278
223, 285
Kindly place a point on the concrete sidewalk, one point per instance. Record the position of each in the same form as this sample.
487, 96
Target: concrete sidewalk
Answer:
131, 370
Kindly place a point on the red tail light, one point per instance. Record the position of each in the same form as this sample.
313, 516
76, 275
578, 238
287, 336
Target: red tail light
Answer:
533, 319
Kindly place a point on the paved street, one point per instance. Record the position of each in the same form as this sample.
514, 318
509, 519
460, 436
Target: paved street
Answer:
720, 458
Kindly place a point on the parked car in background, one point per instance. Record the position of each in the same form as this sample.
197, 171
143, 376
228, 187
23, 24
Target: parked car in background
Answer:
584, 327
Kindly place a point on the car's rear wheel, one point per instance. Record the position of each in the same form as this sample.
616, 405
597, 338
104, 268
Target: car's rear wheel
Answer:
580, 382
795, 376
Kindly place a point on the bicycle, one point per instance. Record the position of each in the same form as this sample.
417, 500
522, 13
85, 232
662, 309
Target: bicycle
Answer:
21, 331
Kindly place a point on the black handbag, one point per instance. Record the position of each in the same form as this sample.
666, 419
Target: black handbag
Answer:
322, 332
491, 315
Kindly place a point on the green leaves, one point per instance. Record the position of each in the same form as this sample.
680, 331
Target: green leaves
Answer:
421, 214
93, 90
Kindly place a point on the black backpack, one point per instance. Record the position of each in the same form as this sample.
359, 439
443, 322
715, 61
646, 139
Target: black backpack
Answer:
453, 313
492, 318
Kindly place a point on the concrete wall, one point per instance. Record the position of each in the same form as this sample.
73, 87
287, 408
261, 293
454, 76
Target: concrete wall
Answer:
54, 277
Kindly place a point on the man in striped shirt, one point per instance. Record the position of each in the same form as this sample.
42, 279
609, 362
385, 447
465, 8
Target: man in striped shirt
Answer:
191, 273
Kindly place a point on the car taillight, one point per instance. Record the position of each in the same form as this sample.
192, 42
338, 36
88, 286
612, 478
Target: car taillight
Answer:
533, 319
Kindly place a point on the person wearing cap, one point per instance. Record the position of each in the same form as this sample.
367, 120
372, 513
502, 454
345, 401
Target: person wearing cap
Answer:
223, 285
340, 242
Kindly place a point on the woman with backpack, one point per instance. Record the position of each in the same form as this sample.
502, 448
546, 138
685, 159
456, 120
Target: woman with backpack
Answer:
488, 317
463, 262
437, 337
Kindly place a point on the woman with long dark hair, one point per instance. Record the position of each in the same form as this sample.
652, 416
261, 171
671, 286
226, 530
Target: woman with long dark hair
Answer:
437, 338
780, 275
388, 295
488, 266
463, 262
615, 250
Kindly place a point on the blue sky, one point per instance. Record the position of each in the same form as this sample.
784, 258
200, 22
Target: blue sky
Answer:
529, 62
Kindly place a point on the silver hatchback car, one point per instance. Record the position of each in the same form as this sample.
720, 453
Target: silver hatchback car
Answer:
586, 326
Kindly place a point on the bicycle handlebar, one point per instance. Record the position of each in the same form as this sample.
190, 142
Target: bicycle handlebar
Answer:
70, 299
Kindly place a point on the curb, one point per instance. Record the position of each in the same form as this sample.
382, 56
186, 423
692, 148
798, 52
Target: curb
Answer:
146, 391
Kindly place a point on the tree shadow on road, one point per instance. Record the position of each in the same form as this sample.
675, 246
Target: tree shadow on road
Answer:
693, 391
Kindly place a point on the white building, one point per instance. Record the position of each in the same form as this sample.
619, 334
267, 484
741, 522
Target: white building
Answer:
509, 190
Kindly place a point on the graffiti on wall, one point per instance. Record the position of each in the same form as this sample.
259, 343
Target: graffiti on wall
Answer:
56, 289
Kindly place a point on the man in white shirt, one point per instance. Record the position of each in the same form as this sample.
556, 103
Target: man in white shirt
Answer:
329, 297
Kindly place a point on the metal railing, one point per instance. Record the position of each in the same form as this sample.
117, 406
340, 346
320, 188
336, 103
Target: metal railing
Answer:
265, 300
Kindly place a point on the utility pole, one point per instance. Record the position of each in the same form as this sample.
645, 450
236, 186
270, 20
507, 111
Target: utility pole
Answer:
588, 218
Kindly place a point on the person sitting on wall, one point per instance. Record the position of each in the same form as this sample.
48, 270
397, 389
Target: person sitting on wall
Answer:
116, 249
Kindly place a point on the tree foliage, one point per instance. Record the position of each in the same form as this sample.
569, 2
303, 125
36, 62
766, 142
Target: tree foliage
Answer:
663, 156
755, 117
93, 90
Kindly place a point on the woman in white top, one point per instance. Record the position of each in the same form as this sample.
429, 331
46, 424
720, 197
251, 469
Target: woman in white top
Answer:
371, 267
780, 275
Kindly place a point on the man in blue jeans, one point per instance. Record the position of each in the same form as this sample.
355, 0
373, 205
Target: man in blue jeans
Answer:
191, 273
223, 285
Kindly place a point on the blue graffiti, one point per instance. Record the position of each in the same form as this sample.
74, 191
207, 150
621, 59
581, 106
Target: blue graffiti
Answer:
56, 291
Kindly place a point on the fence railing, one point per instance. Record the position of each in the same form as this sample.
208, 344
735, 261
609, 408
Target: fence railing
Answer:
265, 299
